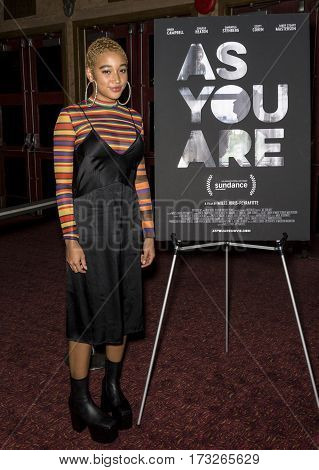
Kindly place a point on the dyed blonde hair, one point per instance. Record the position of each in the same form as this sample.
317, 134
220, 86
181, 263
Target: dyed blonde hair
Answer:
99, 46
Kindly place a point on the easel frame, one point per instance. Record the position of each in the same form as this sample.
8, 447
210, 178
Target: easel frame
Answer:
178, 246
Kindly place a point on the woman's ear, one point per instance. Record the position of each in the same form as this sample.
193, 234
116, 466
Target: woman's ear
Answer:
89, 74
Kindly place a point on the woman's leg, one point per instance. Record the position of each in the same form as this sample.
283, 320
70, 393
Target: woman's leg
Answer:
114, 352
79, 359
113, 398
84, 412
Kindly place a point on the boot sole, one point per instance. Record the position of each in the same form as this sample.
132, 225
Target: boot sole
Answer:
97, 433
124, 418
101, 435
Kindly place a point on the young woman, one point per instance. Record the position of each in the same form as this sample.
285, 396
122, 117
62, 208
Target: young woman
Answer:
105, 211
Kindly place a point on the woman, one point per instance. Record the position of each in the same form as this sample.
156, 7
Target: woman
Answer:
105, 211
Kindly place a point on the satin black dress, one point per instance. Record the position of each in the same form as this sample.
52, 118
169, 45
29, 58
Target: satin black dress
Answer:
105, 303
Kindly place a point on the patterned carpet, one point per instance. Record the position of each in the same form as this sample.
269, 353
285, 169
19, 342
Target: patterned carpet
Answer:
258, 396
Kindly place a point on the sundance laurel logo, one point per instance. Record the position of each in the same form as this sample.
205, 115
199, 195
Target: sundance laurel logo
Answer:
208, 183
248, 185
253, 185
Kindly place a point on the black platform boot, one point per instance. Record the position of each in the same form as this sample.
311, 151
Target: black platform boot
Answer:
112, 396
84, 413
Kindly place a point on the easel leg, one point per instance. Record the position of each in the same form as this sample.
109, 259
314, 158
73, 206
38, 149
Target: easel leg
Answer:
157, 336
226, 296
299, 326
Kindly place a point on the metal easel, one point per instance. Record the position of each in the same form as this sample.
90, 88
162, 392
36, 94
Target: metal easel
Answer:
279, 247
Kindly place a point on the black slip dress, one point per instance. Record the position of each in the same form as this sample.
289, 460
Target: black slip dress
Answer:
105, 303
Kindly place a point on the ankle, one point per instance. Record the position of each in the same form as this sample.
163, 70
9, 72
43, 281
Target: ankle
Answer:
111, 361
79, 387
78, 377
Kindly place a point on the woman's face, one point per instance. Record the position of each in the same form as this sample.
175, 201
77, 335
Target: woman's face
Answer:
110, 73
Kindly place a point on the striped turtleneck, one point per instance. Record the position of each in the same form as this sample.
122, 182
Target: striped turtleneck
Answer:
114, 125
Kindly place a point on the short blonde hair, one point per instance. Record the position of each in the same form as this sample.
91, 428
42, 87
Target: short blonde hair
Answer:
99, 46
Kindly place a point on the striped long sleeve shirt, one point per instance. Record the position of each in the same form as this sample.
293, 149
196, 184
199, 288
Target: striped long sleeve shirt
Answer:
114, 125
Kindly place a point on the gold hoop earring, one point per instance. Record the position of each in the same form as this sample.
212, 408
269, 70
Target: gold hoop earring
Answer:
86, 93
129, 95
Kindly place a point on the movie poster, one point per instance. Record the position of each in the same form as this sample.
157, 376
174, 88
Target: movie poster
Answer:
232, 128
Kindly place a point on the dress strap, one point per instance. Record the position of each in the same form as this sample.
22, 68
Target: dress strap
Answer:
86, 116
138, 132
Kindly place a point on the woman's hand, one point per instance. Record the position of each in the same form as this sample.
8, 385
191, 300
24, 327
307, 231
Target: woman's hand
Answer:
148, 252
75, 256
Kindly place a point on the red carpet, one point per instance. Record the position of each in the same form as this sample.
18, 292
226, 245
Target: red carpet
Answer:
258, 396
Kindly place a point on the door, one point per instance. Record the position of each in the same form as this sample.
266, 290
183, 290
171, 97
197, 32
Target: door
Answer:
31, 97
